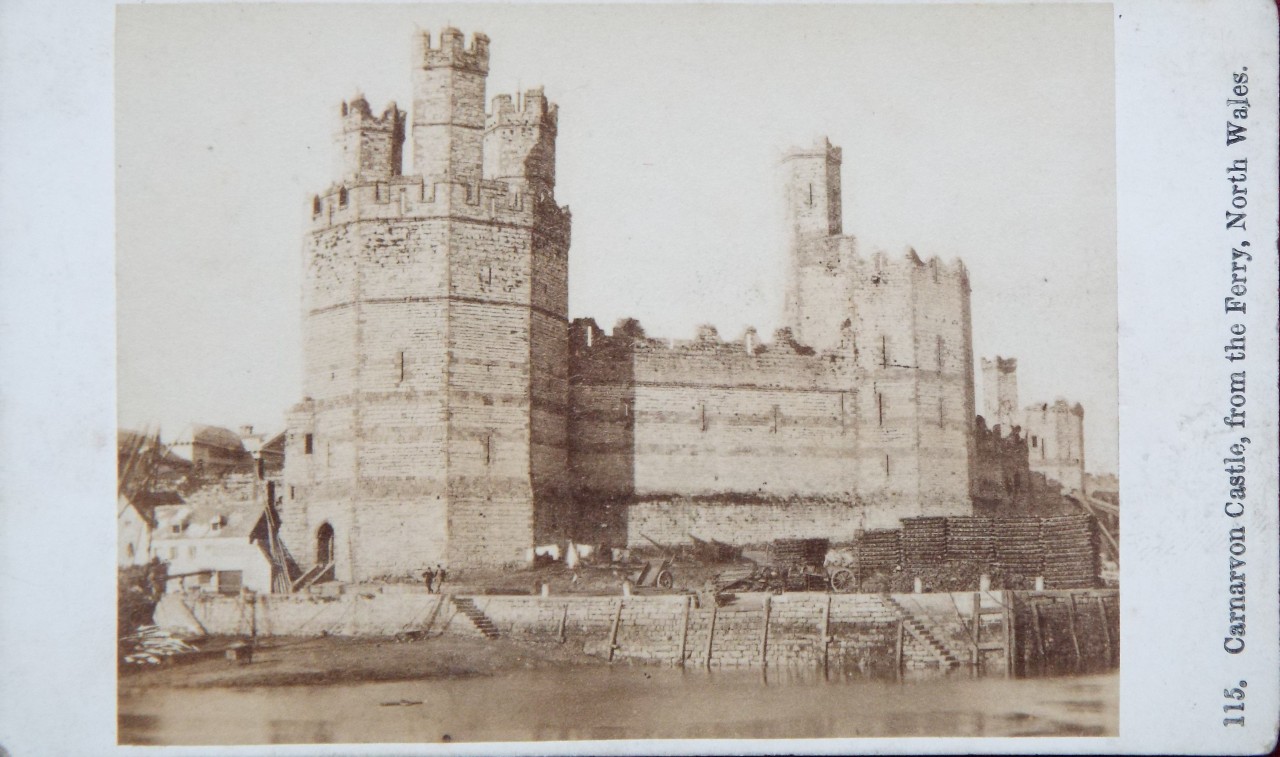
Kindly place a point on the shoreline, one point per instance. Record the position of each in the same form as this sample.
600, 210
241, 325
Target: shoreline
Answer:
327, 660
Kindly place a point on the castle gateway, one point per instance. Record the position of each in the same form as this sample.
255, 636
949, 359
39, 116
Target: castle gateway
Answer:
452, 414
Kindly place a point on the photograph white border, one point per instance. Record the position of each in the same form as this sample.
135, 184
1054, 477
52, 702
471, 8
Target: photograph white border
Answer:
1174, 62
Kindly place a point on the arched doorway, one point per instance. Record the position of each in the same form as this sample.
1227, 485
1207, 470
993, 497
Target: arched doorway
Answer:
324, 545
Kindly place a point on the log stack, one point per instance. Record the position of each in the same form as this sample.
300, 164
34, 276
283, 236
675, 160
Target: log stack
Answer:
1070, 546
924, 542
879, 550
970, 540
1017, 545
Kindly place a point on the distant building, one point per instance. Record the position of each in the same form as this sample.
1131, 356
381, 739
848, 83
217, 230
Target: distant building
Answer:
1053, 432
212, 450
206, 538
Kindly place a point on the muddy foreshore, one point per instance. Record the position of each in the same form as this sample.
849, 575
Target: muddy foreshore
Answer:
287, 661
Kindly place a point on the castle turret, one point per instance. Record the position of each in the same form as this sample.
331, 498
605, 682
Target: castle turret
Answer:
813, 190
1055, 432
368, 147
520, 143
817, 297
1000, 392
448, 106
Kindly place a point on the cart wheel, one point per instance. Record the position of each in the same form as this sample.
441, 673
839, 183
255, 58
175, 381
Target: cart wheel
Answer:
842, 581
665, 580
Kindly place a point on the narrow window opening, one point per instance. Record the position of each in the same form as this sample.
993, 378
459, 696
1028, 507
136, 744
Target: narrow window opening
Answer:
942, 416
880, 406
702, 412
886, 464
316, 206
842, 416
774, 430
308, 444
400, 366
342, 197
939, 348
810, 194
488, 449
884, 351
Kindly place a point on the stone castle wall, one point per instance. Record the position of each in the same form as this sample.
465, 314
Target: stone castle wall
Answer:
449, 415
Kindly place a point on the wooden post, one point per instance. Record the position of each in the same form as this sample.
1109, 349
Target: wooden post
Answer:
613, 633
684, 632
564, 621
1071, 626
825, 639
1006, 623
764, 631
897, 655
975, 633
1106, 627
711, 631
1038, 633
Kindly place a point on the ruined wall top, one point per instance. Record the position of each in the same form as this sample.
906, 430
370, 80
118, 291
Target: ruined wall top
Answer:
1001, 364
531, 109
452, 51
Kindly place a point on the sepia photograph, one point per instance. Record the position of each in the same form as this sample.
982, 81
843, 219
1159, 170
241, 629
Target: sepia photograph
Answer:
553, 373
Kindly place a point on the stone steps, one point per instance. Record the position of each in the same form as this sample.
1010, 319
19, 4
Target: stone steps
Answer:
482, 622
923, 632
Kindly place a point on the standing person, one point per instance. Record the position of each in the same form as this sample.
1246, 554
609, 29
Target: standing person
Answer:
429, 576
439, 577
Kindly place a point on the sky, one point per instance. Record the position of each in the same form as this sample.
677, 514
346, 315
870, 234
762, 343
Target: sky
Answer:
985, 133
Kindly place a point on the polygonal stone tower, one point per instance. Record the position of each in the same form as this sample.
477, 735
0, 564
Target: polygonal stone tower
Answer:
435, 334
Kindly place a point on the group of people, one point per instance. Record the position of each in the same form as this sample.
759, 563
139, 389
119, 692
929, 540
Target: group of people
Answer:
434, 578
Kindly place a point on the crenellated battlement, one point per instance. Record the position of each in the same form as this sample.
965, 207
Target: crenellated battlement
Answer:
1000, 364
1057, 407
410, 197
356, 113
452, 51
530, 109
821, 148
368, 147
909, 261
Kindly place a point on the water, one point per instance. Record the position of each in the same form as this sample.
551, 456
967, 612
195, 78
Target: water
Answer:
622, 703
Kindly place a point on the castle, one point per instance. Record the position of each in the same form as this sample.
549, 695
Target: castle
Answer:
454, 414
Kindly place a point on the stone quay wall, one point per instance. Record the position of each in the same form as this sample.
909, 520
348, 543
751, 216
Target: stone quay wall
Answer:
1052, 632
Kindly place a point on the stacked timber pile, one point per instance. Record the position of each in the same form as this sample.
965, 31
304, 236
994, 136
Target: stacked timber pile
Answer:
924, 541
879, 550
1017, 545
1070, 545
800, 551
970, 540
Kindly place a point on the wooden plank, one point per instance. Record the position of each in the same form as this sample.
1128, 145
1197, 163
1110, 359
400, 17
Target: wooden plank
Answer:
1005, 630
975, 640
613, 632
764, 631
825, 639
711, 630
684, 632
1106, 628
1038, 632
1071, 626
898, 652
564, 620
